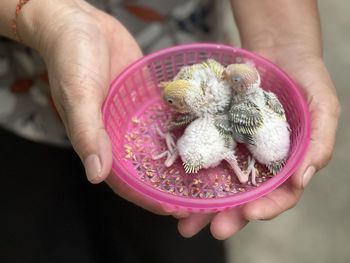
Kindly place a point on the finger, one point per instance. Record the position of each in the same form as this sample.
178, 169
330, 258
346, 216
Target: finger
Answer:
325, 111
190, 226
181, 215
227, 223
324, 118
90, 140
271, 205
174, 211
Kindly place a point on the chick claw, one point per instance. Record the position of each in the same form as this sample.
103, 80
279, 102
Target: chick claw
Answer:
242, 177
251, 169
171, 154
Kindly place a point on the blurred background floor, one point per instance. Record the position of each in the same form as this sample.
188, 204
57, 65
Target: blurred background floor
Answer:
318, 229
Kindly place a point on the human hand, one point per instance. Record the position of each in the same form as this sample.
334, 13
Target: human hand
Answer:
307, 69
84, 49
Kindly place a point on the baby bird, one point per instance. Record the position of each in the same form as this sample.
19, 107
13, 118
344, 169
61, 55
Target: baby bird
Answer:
200, 94
198, 89
257, 118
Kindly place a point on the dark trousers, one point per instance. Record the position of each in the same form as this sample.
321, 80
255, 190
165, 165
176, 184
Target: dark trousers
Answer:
50, 213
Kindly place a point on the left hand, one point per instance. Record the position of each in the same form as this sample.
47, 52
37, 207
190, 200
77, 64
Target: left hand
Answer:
308, 70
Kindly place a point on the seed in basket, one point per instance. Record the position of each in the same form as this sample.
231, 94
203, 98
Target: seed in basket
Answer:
135, 120
199, 92
257, 118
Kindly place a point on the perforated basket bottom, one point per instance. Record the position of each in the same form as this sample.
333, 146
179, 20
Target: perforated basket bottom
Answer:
142, 141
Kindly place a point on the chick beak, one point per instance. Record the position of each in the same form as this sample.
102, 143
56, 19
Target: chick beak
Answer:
226, 75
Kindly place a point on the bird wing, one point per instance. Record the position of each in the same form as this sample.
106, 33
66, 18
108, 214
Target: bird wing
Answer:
244, 138
246, 118
274, 104
223, 125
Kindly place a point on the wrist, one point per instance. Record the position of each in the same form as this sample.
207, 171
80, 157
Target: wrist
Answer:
36, 18
273, 45
287, 24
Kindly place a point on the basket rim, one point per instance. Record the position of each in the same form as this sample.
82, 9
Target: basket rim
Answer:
221, 203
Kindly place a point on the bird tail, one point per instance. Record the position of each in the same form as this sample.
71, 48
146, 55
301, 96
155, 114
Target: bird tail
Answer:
276, 166
193, 163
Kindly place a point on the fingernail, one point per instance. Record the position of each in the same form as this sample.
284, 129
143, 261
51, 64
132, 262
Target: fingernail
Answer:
308, 175
92, 166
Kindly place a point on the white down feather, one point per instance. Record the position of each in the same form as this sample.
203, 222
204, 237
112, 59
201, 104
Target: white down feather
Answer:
217, 94
202, 142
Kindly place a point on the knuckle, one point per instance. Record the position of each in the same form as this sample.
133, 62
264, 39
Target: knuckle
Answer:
62, 97
335, 110
80, 137
77, 133
292, 205
338, 109
327, 157
325, 154
83, 136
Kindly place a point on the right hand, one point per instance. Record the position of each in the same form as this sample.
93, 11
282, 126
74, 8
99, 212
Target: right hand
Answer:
84, 49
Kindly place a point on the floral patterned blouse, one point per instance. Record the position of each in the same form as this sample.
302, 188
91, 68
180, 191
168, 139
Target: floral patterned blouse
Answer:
26, 107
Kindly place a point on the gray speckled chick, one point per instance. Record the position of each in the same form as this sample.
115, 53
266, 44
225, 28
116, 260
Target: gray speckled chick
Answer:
257, 118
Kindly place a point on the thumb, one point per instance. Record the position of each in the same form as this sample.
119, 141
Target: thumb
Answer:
325, 112
90, 140
82, 116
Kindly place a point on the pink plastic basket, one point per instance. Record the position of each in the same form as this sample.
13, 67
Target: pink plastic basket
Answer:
135, 96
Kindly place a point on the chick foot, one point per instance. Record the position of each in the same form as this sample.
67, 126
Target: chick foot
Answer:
252, 170
242, 177
171, 153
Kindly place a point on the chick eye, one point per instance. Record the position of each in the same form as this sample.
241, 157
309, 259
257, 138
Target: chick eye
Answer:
170, 101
